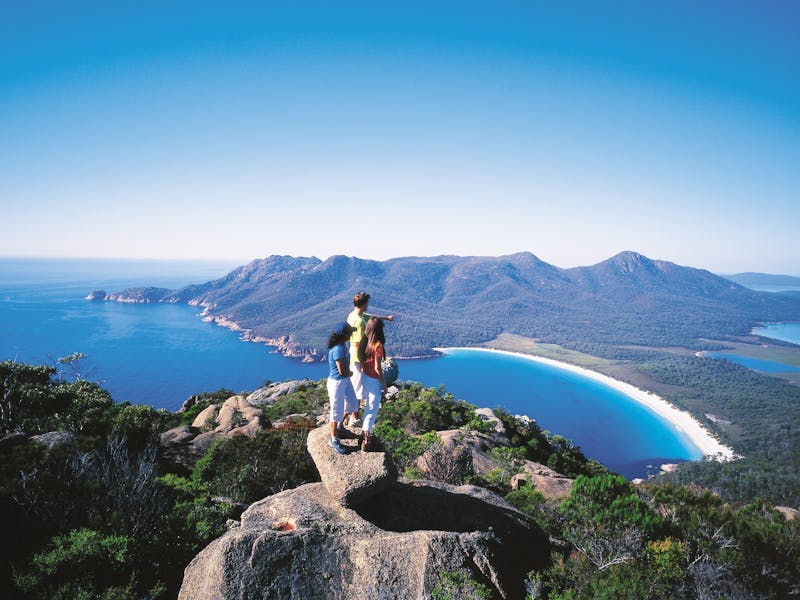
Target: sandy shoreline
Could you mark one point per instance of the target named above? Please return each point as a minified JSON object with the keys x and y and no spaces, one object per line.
{"x":709,"y":446}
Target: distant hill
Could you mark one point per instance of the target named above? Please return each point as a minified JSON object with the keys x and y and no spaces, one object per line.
{"x":451,"y":300}
{"x":765,"y":280}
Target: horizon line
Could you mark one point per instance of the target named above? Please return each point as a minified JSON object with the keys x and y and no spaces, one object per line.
{"x":243,"y":261}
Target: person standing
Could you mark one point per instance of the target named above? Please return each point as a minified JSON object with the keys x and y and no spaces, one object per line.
{"x":372,"y":350}
{"x":340,"y":390}
{"x":357,"y":319}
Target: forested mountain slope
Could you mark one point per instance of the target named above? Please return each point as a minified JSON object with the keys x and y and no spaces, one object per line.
{"x":452,"y":300}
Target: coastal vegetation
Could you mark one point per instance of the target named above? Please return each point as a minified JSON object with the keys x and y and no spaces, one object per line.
{"x":94,"y":513}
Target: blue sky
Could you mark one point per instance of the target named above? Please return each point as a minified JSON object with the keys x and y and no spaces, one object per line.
{"x":573,"y":130}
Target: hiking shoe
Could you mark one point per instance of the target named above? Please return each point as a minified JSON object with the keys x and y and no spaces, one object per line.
{"x":336,"y":445}
{"x":354,"y":422}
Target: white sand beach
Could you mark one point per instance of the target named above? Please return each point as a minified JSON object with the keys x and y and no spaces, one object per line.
{"x":711,"y":447}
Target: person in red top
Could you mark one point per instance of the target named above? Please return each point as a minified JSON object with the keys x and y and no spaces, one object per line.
{"x":371,"y":347}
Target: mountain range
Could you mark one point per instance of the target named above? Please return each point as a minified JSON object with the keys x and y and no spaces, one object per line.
{"x":629,"y":299}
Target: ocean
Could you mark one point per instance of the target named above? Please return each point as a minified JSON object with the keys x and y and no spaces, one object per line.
{"x":162,"y":353}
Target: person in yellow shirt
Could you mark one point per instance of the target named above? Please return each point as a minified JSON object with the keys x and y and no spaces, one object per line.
{"x":357,"y":319}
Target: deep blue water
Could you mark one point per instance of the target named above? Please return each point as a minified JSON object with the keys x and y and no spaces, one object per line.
{"x":161,"y":354}
{"x":605,"y":423}
{"x":757,"y":364}
{"x":156,"y":354}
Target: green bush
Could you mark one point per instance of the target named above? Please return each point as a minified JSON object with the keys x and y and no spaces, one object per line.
{"x":609,"y":501}
{"x":140,"y":425}
{"x":81,"y":564}
{"x":306,"y":399}
{"x":527,"y":499}
{"x":248,"y":469}
{"x":191,"y":523}
{"x":419,"y":410}
{"x":403,"y":448}
{"x":459,"y":585}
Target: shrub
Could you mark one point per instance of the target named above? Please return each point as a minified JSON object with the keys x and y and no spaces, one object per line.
{"x":527,"y":499}
{"x":248,"y":469}
{"x":606,"y":520}
{"x":123,"y":487}
{"x":306,"y":399}
{"x":81,"y":564}
{"x":459,"y":585}
{"x":403,"y":448}
{"x":418,"y":410}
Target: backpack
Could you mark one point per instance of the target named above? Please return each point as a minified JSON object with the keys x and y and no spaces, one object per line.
{"x":390,"y":370}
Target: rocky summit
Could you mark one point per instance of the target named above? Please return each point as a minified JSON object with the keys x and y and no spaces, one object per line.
{"x":354,"y":477}
{"x":398,"y":540}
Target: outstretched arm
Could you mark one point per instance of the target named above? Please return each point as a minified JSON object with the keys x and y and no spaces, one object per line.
{"x":382,"y":317}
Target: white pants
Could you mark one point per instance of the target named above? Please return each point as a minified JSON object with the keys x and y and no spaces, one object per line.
{"x":373,"y":391}
{"x":358,"y":381}
{"x":342,"y":398}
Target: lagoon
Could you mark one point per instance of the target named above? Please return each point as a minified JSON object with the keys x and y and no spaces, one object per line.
{"x":161,"y":354}
{"x":757,"y":364}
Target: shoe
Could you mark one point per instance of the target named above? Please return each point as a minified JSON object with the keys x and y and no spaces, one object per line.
{"x":336,"y":445}
{"x":354,"y":422}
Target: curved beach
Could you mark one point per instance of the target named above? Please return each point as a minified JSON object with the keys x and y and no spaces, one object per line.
{"x":710,"y":446}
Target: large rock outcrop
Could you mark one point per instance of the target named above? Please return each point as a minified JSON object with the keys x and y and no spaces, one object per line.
{"x":354,"y":477}
{"x":553,"y":485}
{"x":303,"y":544}
{"x":361,"y":533}
{"x":268,"y":394}
{"x":183,"y":446}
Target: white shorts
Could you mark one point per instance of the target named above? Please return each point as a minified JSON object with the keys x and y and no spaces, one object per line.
{"x":358,"y":382}
{"x":342,"y":398}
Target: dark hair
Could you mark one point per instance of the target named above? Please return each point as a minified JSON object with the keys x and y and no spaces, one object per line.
{"x":340,"y":335}
{"x":360,"y":299}
{"x":336,"y":339}
{"x":373,"y":335}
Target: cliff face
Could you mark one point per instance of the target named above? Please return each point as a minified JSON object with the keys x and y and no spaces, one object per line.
{"x":392,"y":540}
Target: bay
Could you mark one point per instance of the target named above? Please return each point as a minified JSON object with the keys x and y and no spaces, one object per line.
{"x":159,"y":354}
{"x":607,"y":424}
{"x":786,"y":332}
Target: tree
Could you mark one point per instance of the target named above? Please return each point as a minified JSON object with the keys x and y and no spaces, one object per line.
{"x":606,"y":520}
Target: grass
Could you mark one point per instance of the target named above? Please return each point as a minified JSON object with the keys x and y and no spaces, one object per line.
{"x":525,"y":345}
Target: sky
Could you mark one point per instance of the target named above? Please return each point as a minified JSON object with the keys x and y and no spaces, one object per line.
{"x":236,"y":130}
